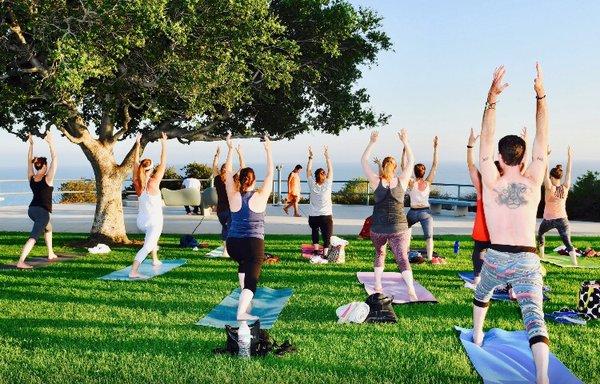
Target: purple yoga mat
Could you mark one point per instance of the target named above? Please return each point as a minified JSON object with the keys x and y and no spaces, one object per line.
{"x":393,"y":285}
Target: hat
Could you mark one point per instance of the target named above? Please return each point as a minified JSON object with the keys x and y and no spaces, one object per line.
{"x":354,"y":312}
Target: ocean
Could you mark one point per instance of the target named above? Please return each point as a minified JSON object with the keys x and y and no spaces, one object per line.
{"x":13,"y":179}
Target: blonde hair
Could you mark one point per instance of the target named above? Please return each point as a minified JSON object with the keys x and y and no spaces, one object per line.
{"x":388,"y":167}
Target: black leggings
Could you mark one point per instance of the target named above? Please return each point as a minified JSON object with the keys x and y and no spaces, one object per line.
{"x":249,"y":252}
{"x":41,"y":221}
{"x":323,"y":224}
{"x":477,"y":256}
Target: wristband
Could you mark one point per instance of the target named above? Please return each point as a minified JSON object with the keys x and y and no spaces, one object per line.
{"x":469,"y":146}
{"x":540,"y":98}
{"x":489,"y":105}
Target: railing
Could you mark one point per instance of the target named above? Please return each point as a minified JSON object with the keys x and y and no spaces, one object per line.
{"x":363,"y":196}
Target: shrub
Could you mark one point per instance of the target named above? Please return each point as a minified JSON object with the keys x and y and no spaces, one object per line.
{"x":172,"y":179}
{"x":88,"y":194}
{"x":583,"y":201}
{"x":353,"y":192}
{"x":198,"y":171}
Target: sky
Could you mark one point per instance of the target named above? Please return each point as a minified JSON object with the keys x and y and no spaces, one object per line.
{"x":436,"y":78}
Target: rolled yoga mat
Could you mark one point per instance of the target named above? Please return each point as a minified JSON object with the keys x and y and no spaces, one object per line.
{"x":146,"y":269}
{"x":307,"y":251}
{"x":393,"y":285}
{"x":217,"y":252}
{"x":499,"y":294}
{"x":40,"y":262}
{"x":267,"y":304}
{"x":565,"y":261}
{"x":505,"y":358}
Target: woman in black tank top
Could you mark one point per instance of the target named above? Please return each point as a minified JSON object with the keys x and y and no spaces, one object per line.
{"x":41,"y":178}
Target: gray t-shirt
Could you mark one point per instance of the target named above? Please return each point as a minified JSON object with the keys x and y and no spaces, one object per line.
{"x":320,"y":198}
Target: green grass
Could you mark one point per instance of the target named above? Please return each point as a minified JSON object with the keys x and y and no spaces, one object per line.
{"x":60,"y":324}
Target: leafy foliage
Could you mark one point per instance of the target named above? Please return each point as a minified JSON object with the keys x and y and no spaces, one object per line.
{"x":197,"y":170}
{"x":87,"y":194}
{"x":583,"y":201}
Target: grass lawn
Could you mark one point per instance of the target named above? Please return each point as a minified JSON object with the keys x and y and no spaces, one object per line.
{"x":60,"y":324}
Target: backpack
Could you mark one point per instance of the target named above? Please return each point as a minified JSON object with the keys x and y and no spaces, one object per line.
{"x":380,"y":309}
{"x":188,"y":241}
{"x":589,"y":299}
{"x":337,"y":250}
{"x":260,"y":343}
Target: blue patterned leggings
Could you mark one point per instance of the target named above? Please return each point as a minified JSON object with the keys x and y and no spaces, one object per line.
{"x":522,"y":272}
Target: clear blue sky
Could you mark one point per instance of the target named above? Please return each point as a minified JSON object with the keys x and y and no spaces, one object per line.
{"x":436,"y":79}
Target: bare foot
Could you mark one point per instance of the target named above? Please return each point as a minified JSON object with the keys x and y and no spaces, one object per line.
{"x":297,"y":215}
{"x":285,"y":209}
{"x":23,"y":265}
{"x":477,"y":338}
{"x":137,"y":276}
{"x":378,"y":289}
{"x":246,"y":317}
{"x":156,"y":263}
{"x":412,"y":296}
{"x":52,"y":256}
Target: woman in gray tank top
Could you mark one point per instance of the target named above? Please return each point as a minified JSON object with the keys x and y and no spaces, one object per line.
{"x":389,"y":220}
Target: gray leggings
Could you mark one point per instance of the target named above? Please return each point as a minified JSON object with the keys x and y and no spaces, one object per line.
{"x":561,"y":225}
{"x":41,"y":222}
{"x":523,"y":272}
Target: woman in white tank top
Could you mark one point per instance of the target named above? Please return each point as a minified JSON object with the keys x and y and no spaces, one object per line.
{"x":419,"y":189}
{"x":150,"y":216}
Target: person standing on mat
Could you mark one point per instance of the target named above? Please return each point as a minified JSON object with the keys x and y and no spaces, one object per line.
{"x":146,"y":181}
{"x":420,"y":212}
{"x":41,"y":179}
{"x":510,"y":200}
{"x":223,"y":212}
{"x":245,"y":240}
{"x":293,"y":198}
{"x":320,"y":217}
{"x":480,"y":234}
{"x":389,"y":221}
{"x":555,"y":212}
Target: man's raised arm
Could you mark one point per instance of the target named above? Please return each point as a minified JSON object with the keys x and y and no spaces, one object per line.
{"x":539,"y":160}
{"x":489,"y":172}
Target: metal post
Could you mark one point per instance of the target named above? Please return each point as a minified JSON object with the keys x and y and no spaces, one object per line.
{"x":458,"y":192}
{"x":368,"y":189}
{"x":278,"y":167}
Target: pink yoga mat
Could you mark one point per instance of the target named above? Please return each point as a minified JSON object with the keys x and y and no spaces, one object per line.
{"x":393,"y":285}
{"x":307,"y":251}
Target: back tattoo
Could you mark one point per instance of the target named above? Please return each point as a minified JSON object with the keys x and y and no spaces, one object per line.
{"x":513,"y":195}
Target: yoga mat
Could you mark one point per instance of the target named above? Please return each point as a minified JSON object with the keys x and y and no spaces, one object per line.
{"x":40,"y":262}
{"x":217,"y":252}
{"x":146,"y":268}
{"x":307,"y":251}
{"x":565,"y":261}
{"x":505,"y":358}
{"x":393,"y":285}
{"x":499,"y":294}
{"x":267,"y":305}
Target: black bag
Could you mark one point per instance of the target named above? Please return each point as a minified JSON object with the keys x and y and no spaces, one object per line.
{"x":380,"y":309}
{"x":260,"y":343}
{"x":589,"y":299}
{"x":188,"y":241}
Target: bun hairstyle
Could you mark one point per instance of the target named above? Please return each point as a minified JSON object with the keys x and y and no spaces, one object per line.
{"x":419,"y":170}
{"x":142,"y":176}
{"x":388,"y":167}
{"x":246,"y":179}
{"x":39,"y":162}
{"x":557,"y":172}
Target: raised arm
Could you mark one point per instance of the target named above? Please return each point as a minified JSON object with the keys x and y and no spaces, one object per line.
{"x":372,"y":177}
{"x":229,"y":181}
{"x":489,"y":172}
{"x":162,"y":167}
{"x":240,"y":154}
{"x":30,"y":157}
{"x":539,"y":161}
{"x":525,"y":137}
{"x":265,"y":190}
{"x":434,"y":163}
{"x":53,"y":159}
{"x":547,"y":182}
{"x":406,"y":173}
{"x":309,"y":163}
{"x":329,"y":163}
{"x":473,"y":171}
{"x":215,"y":163}
{"x":567,"y":182}
{"x":136,"y":155}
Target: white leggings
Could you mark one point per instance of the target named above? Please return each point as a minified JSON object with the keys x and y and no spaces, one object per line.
{"x":153,"y":232}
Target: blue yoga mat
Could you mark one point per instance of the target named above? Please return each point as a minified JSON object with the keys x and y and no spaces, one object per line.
{"x":267,"y":305}
{"x":146,"y":269}
{"x":505,"y":358}
{"x":499,"y":295}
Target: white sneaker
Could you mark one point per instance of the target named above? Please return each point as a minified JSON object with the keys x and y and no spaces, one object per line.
{"x":470,"y":285}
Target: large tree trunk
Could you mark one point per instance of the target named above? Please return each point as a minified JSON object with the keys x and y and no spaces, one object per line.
{"x":109,"y":222}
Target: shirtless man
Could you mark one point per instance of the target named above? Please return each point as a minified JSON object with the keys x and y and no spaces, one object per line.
{"x":510,"y":202}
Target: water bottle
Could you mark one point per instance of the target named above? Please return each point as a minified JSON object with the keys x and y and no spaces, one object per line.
{"x":244,"y":339}
{"x":456,"y":247}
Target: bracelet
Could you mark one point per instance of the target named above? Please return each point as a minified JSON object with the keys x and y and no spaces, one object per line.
{"x":469,"y":146}
{"x":310,"y":157}
{"x":539,"y":98}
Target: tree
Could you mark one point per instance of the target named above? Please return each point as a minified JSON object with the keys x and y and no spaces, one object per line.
{"x":103,"y":71}
{"x":583,"y":201}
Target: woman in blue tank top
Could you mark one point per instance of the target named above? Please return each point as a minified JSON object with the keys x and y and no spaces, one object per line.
{"x":245,"y":238}
{"x":389,"y":225}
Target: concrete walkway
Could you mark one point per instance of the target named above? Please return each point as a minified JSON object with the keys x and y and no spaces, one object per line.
{"x":348,"y":220}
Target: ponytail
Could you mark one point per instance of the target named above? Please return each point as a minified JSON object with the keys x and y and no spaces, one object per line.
{"x":246,"y":179}
{"x":141,"y":176}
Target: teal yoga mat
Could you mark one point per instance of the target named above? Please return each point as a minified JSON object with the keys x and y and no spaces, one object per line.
{"x":267,"y":305}
{"x":146,"y":269}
